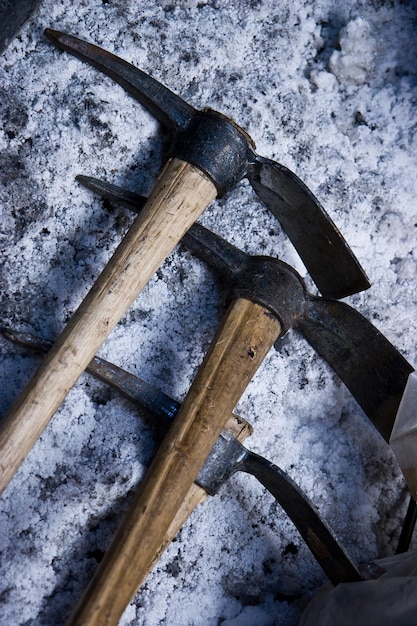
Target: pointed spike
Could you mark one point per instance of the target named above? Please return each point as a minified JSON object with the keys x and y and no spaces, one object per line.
{"x":113,"y":192}
{"x":171,"y":110}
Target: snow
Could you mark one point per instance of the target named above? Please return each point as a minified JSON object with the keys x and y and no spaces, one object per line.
{"x":354,"y":62}
{"x":330,"y":92}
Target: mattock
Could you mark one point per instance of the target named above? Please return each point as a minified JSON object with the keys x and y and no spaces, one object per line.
{"x":227,"y":457}
{"x":209,"y":155}
{"x":268,"y":297}
{"x":369,"y":365}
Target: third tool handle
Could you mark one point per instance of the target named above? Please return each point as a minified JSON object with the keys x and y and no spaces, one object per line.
{"x":241,"y":343}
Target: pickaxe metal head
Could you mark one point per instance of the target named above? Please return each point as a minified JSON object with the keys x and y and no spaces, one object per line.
{"x":227,"y":457}
{"x":209,"y":155}
{"x":218,"y":146}
{"x":368,"y":364}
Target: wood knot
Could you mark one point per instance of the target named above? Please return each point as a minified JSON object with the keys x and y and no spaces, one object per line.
{"x":251,"y":353}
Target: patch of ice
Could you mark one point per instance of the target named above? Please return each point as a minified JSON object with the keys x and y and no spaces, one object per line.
{"x":354,"y":62}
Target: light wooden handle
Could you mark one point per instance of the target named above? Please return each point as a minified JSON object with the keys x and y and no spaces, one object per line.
{"x":243,"y":340}
{"x":180,"y":195}
{"x":241,"y":429}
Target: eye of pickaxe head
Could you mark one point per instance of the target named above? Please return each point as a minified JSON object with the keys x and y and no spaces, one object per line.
{"x":220,"y":148}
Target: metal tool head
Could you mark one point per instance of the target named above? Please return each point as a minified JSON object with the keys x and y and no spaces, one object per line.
{"x":227,"y":457}
{"x":368,"y":364}
{"x":219,"y":147}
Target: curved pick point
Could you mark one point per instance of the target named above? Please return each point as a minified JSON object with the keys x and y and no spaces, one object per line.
{"x":167,"y":107}
{"x":319,"y":537}
{"x":326,"y":255}
{"x":112,"y":192}
{"x":368,"y":364}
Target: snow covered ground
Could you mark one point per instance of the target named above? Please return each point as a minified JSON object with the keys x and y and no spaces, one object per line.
{"x":329,"y":90}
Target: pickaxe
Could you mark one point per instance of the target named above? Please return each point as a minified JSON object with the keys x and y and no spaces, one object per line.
{"x":351,"y":345}
{"x":267,"y":298}
{"x":227,"y":457}
{"x":209,"y":155}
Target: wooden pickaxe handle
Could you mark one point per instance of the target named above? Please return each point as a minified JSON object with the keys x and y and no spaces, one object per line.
{"x":245,"y":336}
{"x":240,"y":429}
{"x":180,"y":195}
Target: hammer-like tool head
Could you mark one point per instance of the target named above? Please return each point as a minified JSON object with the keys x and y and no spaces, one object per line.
{"x":368,"y":364}
{"x":227,"y":457}
{"x":208,"y":156}
{"x":219,"y":147}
